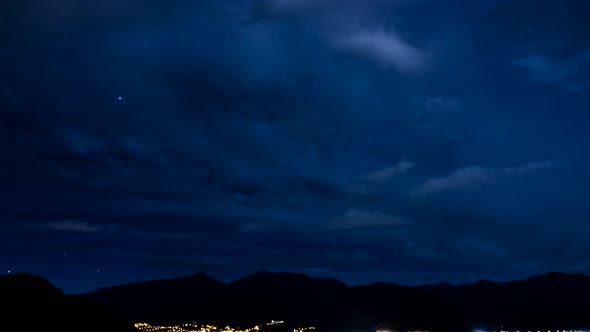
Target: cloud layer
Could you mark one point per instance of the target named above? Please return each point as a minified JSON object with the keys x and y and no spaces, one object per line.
{"x":409,"y":141}
{"x":476,"y":176}
{"x":69,"y":225}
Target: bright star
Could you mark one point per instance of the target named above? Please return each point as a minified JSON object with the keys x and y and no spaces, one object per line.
{"x":119,"y":98}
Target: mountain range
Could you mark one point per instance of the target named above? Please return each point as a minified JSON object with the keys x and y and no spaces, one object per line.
{"x":31,"y":303}
{"x":547,"y":301}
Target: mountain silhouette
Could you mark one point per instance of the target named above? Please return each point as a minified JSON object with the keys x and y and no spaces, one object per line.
{"x":548,"y":301}
{"x":195,"y":297}
{"x":31,"y":303}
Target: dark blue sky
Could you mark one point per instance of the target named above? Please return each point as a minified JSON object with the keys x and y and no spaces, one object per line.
{"x":411,"y":141}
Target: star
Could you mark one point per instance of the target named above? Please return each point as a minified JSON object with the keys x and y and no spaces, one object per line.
{"x":8,"y":271}
{"x":120,"y":98}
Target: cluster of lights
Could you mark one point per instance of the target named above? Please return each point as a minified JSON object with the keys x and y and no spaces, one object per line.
{"x":304,"y":329}
{"x":405,"y":331}
{"x":275,"y":322}
{"x":194,"y":327}
{"x":537,"y":331}
{"x":190,"y":327}
{"x":484,"y":331}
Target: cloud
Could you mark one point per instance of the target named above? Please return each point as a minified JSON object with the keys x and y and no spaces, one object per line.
{"x":371,"y":182}
{"x":461,"y":178}
{"x":254,"y":227}
{"x":194,"y":262}
{"x":422,"y":252}
{"x":353,"y":219}
{"x":562,"y":73}
{"x":362,"y":254}
{"x":340,"y":258}
{"x":316,"y":270}
{"x":362,"y":219}
{"x":435,"y":103}
{"x":294,"y":7}
{"x":481,"y":248}
{"x":581,"y":269}
{"x":386,"y":174}
{"x":474,"y":176}
{"x":70,"y":225}
{"x":384,"y":47}
{"x":530,"y":168}
{"x":271,"y":134}
{"x":351,"y":26}
{"x":540,"y":68}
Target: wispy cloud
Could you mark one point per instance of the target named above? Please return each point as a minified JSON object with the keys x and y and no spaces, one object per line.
{"x":435,"y":103}
{"x":353,"y":219}
{"x":371,"y":182}
{"x":474,"y":176}
{"x":530,"y":168}
{"x":338,"y":21}
{"x":581,"y":269}
{"x":543,"y":70}
{"x":362,"y":219}
{"x":310,"y":6}
{"x":388,"y":173}
{"x":384,"y":47}
{"x":461,"y":178}
{"x":69,"y":225}
{"x":422,"y":252}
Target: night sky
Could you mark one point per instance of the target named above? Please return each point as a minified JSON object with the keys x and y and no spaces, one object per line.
{"x":410,"y":141}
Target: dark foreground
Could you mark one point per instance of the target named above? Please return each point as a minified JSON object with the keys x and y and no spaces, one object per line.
{"x":553,"y":301}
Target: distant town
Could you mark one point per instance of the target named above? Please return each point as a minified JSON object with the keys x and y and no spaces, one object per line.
{"x":195,"y":327}
{"x":517,"y":330}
